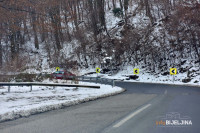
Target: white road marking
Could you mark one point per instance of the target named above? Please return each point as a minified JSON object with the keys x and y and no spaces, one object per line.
{"x":165,"y":92}
{"x":131,"y":116}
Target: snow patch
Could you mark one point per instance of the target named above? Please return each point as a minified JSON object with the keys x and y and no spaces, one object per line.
{"x":22,"y":103}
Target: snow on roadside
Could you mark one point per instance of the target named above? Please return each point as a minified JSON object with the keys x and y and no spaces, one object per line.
{"x":145,"y":77}
{"x":22,"y":103}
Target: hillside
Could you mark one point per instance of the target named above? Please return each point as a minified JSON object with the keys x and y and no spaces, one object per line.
{"x":78,"y":34}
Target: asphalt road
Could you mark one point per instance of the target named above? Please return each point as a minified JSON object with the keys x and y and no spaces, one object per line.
{"x":134,"y":111}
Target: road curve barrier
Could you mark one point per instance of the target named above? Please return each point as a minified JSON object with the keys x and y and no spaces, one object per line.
{"x":45,"y":84}
{"x":93,"y":79}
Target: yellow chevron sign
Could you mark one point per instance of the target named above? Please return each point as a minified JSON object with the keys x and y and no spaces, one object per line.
{"x":136,"y":71}
{"x":98,"y":70}
{"x":173,"y":71}
{"x":57,"y":68}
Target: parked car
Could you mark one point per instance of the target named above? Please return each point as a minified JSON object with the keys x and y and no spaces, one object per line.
{"x":62,"y":75}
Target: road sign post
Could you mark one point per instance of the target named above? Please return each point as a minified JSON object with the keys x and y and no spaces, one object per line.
{"x":31,"y":88}
{"x":98,"y":70}
{"x":173,"y":71}
{"x":9,"y":89}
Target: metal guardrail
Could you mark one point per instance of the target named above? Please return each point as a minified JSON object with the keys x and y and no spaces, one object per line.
{"x":93,"y":79}
{"x":45,"y":84}
{"x":76,"y":78}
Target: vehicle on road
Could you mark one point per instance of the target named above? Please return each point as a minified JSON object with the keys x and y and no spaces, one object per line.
{"x":63,"y":74}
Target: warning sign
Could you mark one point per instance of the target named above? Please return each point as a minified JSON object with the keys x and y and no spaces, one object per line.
{"x":57,"y":68}
{"x":173,"y":71}
{"x":136,"y":71}
{"x":98,"y":70}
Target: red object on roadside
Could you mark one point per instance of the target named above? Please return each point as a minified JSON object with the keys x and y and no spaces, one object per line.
{"x":62,"y":75}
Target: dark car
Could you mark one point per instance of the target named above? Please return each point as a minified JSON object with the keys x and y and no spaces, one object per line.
{"x":63,"y":75}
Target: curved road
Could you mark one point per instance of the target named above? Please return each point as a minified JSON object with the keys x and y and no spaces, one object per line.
{"x":135,"y":111}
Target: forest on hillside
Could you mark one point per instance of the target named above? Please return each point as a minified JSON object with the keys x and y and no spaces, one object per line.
{"x":155,"y":33}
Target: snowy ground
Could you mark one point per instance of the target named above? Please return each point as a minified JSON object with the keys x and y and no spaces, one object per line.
{"x":146,"y":77}
{"x":20,"y":102}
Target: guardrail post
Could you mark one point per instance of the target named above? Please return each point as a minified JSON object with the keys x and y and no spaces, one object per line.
{"x":113,"y":85}
{"x":9,"y":89}
{"x":31,"y":88}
